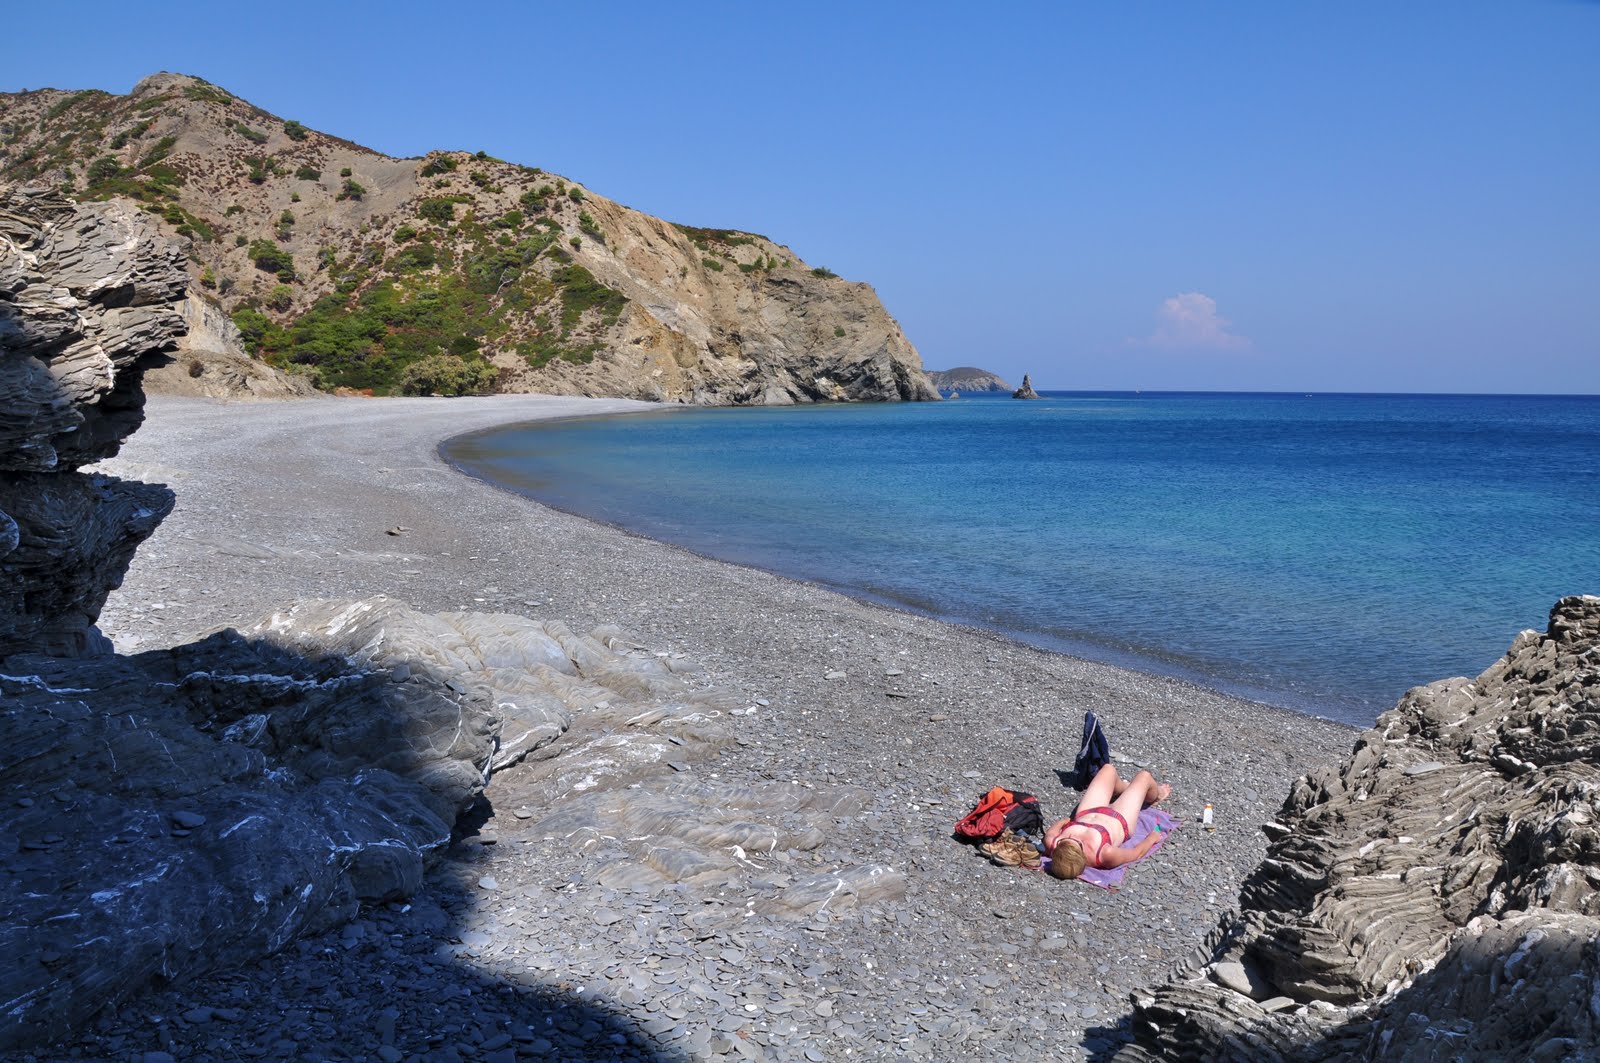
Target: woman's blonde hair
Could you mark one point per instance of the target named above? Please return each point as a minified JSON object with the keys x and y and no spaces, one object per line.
{"x":1067,"y":859}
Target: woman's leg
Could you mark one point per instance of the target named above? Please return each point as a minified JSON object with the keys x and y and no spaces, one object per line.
{"x":1101,"y":789}
{"x":1142,"y":790}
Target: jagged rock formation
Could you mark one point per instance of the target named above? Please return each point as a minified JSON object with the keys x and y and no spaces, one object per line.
{"x":86,"y":299}
{"x":351,"y":267}
{"x":1436,"y":897}
{"x":1026,"y":390}
{"x":196,"y":807}
{"x":966,"y":378}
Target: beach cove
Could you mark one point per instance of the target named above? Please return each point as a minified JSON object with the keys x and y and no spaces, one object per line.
{"x":296,"y":499}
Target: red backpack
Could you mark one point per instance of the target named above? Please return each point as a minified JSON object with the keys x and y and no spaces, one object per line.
{"x":998,"y":811}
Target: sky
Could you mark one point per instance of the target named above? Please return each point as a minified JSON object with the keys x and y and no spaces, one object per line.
{"x":1167,"y":196}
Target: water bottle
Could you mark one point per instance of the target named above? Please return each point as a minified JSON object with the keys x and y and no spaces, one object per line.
{"x":1206,"y":819}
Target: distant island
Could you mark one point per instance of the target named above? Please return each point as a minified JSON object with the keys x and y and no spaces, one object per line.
{"x":966,"y":378}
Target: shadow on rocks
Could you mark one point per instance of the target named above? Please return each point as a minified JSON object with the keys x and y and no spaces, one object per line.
{"x":402,"y":981}
{"x":179,"y":815}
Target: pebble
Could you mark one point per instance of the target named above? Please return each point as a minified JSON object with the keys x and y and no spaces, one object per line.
{"x":188,"y":820}
{"x":489,"y":882}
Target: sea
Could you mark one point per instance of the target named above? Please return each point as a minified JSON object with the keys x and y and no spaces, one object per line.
{"x":1320,"y":552}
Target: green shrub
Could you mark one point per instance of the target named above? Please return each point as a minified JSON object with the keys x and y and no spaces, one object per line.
{"x":404,"y":233}
{"x":58,"y":109}
{"x":351,"y":190}
{"x":162,"y":149}
{"x":240,"y":240}
{"x":207,"y":94}
{"x":103,"y":169}
{"x":294,"y":130}
{"x":436,"y":165}
{"x":294,"y":197}
{"x":253,"y":327}
{"x":438,"y":210}
{"x":281,"y":298}
{"x":533,"y":200}
{"x":326,"y":258}
{"x":577,"y":244}
{"x":286,"y":218}
{"x":575,"y":194}
{"x":208,"y":279}
{"x":418,"y":256}
{"x":254,"y":136}
{"x":511,"y":219}
{"x":345,"y":172}
{"x":307,"y":173}
{"x":270,"y":258}
{"x":838,"y":330}
{"x":580,"y":291}
{"x":447,"y":374}
{"x":824,"y":272}
{"x":714,"y":264}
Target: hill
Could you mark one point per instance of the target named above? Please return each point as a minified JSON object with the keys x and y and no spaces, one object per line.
{"x":966,"y":378}
{"x":455,"y":272}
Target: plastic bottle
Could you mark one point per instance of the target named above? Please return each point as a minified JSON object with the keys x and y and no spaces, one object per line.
{"x":1206,"y":819}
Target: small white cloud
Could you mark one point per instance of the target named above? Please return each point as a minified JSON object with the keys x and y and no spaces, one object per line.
{"x":1189,"y":321}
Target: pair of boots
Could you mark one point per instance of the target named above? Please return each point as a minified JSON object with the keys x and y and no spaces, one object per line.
{"x":1011,"y":850}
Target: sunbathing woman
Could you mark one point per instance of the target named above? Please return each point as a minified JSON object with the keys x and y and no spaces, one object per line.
{"x":1095,"y":834}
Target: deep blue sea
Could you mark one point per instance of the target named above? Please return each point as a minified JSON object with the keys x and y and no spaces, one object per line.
{"x":1320,"y":552}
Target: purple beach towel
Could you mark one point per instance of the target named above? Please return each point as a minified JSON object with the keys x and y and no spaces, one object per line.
{"x":1148,"y":820}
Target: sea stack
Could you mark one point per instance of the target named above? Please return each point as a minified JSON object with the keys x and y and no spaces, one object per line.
{"x":1026,"y":390}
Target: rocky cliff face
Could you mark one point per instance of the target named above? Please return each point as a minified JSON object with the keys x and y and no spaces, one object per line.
{"x":457,"y":271}
{"x":86,"y":302}
{"x":1436,"y":897}
{"x":966,"y":378}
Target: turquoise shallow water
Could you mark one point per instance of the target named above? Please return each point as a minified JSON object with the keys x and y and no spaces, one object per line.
{"x":1318,"y":552}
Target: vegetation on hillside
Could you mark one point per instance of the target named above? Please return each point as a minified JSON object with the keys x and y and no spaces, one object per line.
{"x":481,"y":259}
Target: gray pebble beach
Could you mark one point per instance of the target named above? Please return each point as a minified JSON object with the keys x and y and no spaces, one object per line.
{"x":509,"y":955}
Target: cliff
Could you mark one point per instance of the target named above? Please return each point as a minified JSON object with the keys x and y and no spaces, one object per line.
{"x":458,"y":271}
{"x":966,"y":378}
{"x":1436,"y":897}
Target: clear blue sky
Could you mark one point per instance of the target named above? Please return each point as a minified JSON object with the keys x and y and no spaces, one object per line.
{"x":1262,"y":196}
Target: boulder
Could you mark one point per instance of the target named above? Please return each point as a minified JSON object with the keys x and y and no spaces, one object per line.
{"x":1425,"y":898}
{"x":1026,"y":390}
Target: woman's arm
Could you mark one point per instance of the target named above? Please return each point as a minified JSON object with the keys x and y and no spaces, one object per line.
{"x":1115,"y":855}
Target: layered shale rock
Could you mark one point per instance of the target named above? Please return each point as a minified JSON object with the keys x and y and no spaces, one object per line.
{"x":86,"y":303}
{"x":1436,"y":897}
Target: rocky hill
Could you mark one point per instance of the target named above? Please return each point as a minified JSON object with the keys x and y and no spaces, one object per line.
{"x":966,"y":378}
{"x":455,"y":272}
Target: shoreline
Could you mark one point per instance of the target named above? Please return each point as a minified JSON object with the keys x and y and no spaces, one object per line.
{"x":1083,"y":646}
{"x":1131,"y":658}
{"x":297,"y":498}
